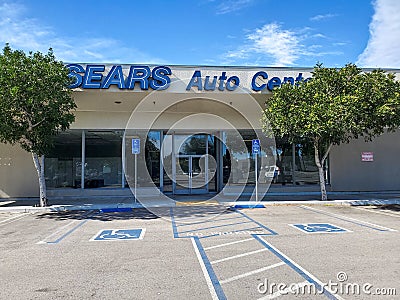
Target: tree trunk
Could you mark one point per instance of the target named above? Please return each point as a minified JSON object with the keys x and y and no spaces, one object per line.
{"x":320,"y":164}
{"x":39,"y":165}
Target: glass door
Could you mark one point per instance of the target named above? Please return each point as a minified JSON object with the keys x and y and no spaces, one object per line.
{"x":191,"y":174}
{"x":183,"y":172}
{"x":190,"y":164}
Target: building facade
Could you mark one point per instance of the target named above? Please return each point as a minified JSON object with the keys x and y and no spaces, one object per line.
{"x":195,"y":128}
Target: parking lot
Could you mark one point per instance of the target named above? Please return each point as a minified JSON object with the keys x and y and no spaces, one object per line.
{"x":194,"y":252}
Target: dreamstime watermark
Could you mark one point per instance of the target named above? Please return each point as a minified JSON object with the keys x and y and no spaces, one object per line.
{"x":341,"y":287}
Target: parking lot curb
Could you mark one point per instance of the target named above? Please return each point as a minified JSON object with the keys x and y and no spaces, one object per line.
{"x":237,"y":204}
{"x":365,"y":202}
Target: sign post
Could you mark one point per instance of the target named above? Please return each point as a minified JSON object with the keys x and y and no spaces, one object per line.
{"x":256,"y":150}
{"x":135,"y":151}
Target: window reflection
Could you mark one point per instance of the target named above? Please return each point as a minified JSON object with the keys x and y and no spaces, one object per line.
{"x":63,"y":164}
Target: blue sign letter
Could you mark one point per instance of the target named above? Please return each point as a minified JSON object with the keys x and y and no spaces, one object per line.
{"x":138,"y":74}
{"x":208,"y":86}
{"x":195,"y":81}
{"x":91,"y":76}
{"x":274,"y":82}
{"x":236,"y":81}
{"x":254,"y":86}
{"x":161,"y":79}
{"x":74,"y":71}
{"x":115,"y":76}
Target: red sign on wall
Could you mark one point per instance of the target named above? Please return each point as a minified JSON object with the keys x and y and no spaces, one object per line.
{"x":367,"y":156}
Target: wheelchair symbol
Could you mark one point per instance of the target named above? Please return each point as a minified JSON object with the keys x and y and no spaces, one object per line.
{"x":318,"y":227}
{"x":118,"y":234}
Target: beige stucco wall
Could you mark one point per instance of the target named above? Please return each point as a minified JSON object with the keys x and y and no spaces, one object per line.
{"x":18,"y":177}
{"x":349,"y":173}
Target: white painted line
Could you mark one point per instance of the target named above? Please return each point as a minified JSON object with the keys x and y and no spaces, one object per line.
{"x":44,"y":241}
{"x":239,"y":255}
{"x":386,"y":213}
{"x":214,"y":295}
{"x":13,"y":219}
{"x":227,"y":244}
{"x":348,"y":218}
{"x":252,"y":272}
{"x":6,"y":202}
{"x":287,"y":291}
{"x":301,"y":268}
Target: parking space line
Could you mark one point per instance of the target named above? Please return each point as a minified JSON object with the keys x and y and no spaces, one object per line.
{"x":210,"y":220}
{"x":258,"y":223}
{"x":13,"y":219}
{"x":212,"y":281}
{"x":238,"y":256}
{"x":216,"y":226}
{"x":67,"y":233}
{"x":348,"y":219}
{"x":293,"y":287}
{"x":174,"y":228}
{"x":252,"y":272}
{"x":56,"y":232}
{"x":298,"y":269}
{"x":227,"y":244}
{"x":378,"y":212}
{"x":230,"y":232}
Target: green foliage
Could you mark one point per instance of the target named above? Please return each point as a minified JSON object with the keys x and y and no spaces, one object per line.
{"x":335,"y":106}
{"x":35,"y":102}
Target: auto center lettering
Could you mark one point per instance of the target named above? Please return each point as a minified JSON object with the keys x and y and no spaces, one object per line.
{"x":158,"y":78}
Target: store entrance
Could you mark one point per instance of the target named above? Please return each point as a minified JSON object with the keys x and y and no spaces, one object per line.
{"x":189,"y":170}
{"x":191,"y":174}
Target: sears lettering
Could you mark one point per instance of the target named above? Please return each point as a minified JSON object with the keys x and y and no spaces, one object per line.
{"x":93,"y":77}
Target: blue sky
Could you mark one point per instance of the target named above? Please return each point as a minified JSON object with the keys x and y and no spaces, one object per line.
{"x":208,"y":32}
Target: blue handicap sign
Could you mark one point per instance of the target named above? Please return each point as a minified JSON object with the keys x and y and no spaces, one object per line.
{"x":318,"y":227}
{"x":256,"y":146}
{"x":135,"y":146}
{"x":119,"y":234}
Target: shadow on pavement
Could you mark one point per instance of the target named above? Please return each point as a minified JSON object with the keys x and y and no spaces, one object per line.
{"x":391,"y":207}
{"x":139,"y":213}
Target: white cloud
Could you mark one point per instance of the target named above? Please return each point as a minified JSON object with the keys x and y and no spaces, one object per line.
{"x":281,"y":44}
{"x":29,"y":34}
{"x":323,"y":17}
{"x":275,"y":46}
{"x":270,"y":43}
{"x":227,"y":7}
{"x":383,"y":48}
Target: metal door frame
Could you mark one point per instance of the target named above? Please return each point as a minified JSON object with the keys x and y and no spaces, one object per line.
{"x":189,"y":190}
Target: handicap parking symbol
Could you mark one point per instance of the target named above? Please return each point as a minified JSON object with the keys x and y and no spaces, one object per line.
{"x":119,"y":234}
{"x":319,"y":227}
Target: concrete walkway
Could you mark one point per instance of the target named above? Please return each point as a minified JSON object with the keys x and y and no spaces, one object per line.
{"x":98,"y":202}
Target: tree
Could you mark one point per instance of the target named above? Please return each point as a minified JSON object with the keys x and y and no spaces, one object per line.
{"x":35,"y":104}
{"x":333,"y":107}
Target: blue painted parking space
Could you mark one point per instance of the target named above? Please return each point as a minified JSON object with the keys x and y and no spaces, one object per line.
{"x":319,"y":228}
{"x":234,"y":224}
{"x":119,"y":234}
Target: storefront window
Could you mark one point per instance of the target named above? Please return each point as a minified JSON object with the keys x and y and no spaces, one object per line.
{"x":284,"y":162}
{"x":152,"y":154}
{"x":239,"y":162}
{"x":103,"y":165}
{"x":63,"y":164}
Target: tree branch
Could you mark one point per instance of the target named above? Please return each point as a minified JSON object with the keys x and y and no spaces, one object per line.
{"x":326,"y":153}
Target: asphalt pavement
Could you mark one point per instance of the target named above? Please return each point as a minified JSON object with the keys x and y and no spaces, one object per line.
{"x":295,"y":251}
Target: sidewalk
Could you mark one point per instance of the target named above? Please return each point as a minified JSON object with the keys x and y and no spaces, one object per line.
{"x":98,"y":202}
